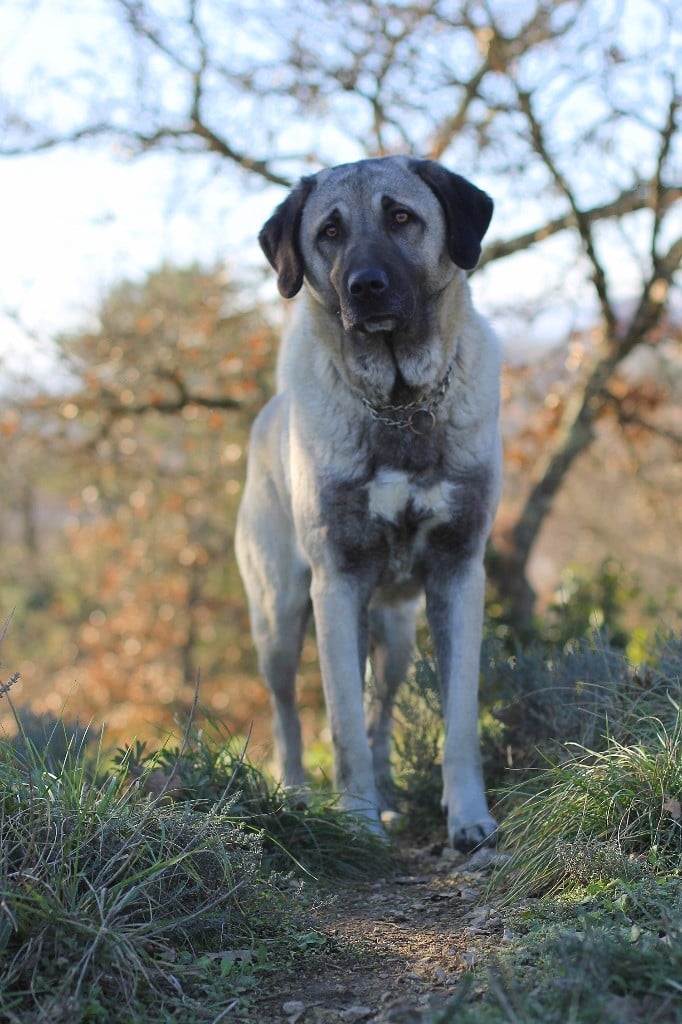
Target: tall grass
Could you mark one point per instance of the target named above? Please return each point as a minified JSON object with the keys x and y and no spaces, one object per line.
{"x":107,"y":901}
{"x":592,"y":892}
{"x":149,"y":891}
{"x":620,"y":795}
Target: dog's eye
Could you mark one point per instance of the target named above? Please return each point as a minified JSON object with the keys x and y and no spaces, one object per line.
{"x":400,"y":217}
{"x":330,"y":231}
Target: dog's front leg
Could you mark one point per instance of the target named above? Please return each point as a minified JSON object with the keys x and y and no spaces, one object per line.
{"x":454,"y":608}
{"x":341,"y":626}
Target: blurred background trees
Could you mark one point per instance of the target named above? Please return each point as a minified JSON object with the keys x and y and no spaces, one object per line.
{"x":120,"y":489}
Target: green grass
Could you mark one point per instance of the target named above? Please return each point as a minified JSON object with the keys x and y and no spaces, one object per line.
{"x":592,"y":892}
{"x":303,"y":831}
{"x":120,"y":902}
{"x":109,"y":903}
{"x":605,"y":953}
{"x":167,"y":885}
{"x":621,"y":802}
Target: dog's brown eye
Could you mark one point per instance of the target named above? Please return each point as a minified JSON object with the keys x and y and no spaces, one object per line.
{"x":400,"y":217}
{"x":330,"y":231}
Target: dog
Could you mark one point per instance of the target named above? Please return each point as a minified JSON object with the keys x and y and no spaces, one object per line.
{"x":374,"y":473}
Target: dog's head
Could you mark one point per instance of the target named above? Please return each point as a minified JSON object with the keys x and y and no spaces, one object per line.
{"x":377,"y":242}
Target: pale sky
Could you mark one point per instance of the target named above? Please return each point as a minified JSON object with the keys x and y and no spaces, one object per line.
{"x":75,"y":220}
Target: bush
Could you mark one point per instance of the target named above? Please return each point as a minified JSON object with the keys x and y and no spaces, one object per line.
{"x":298,"y":830}
{"x":418,"y":743}
{"x":618,"y":798}
{"x":147,"y":893}
{"x":542,"y":698}
{"x":100,"y":890}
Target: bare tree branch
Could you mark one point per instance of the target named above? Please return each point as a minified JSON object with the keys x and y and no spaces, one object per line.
{"x":657,"y":183}
{"x":583,"y":223}
{"x":631,"y":418}
{"x":637,"y":198}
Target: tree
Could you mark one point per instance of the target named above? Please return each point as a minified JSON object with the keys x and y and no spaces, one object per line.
{"x":566,"y":110}
{"x":123,"y":555}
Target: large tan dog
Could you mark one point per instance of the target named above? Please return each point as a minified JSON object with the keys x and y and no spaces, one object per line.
{"x":374,"y":473}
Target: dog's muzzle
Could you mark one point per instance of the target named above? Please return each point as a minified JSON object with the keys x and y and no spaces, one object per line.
{"x":374,"y":298}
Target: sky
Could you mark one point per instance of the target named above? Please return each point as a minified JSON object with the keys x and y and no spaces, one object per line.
{"x":75,"y":220}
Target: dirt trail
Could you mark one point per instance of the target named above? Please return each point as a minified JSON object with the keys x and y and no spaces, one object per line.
{"x":397,"y":947}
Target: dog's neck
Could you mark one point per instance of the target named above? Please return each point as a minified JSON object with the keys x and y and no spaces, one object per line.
{"x":409,"y":408}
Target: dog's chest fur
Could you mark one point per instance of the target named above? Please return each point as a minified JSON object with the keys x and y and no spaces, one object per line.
{"x":407,"y":512}
{"x":395,"y":526}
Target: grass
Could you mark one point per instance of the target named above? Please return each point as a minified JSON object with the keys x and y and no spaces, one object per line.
{"x":592,"y":892}
{"x":162,"y":888}
{"x":620,"y":795}
{"x":623,"y":799}
{"x":167,"y":885}
{"x":110,"y":902}
{"x":604,"y":953}
{"x":307,"y":832}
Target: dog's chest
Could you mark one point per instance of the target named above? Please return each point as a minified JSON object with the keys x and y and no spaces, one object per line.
{"x":394,"y":499}
{"x":405,"y":512}
{"x":396,"y":527}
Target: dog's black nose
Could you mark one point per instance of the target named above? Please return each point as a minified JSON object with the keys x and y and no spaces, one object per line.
{"x":367,"y":282}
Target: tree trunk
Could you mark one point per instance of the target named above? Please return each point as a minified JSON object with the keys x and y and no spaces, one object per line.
{"x":508,"y":569}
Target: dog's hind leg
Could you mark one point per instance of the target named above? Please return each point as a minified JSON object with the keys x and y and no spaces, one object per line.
{"x":391,"y":639}
{"x":278,"y":589}
{"x":278,"y":644}
{"x":277,"y":583}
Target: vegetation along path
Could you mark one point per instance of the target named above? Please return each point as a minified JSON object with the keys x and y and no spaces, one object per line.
{"x":218,"y":897}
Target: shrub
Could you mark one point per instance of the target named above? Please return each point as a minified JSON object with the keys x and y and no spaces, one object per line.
{"x":100,"y":890}
{"x":418,"y":743}
{"x":298,"y":830}
{"x":618,"y":798}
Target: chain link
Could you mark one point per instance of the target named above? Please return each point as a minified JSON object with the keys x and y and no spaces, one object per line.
{"x":405,"y":413}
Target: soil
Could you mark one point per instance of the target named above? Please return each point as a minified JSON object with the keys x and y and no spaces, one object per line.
{"x":397,"y":947}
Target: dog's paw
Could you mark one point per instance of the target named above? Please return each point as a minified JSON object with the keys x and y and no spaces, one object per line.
{"x":467,"y":838}
{"x":299,"y":796}
{"x":391,"y":820}
{"x":366,"y":811}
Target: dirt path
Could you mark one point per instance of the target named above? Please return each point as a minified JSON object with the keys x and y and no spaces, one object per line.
{"x":397,"y":947}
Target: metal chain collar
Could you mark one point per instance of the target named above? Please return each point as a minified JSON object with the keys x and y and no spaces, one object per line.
{"x":406,"y":415}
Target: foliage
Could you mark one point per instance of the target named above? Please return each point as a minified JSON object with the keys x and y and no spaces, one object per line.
{"x":593,"y":890}
{"x":121,"y":499}
{"x":418,"y":743}
{"x":145,"y":894}
{"x":542,"y":704}
{"x":109,"y":903}
{"x":597,"y":833}
{"x":585,"y":603}
{"x":60,"y":743}
{"x":125,"y":900}
{"x":606,"y":953}
{"x":304,"y":831}
{"x":625,"y":795}
{"x":543,"y":697}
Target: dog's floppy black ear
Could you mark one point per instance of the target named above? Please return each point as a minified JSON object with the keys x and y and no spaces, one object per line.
{"x":279,"y":240}
{"x":467,"y":210}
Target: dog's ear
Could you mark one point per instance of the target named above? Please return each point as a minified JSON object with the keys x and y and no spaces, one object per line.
{"x":467,"y":210}
{"x":279,"y":240}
